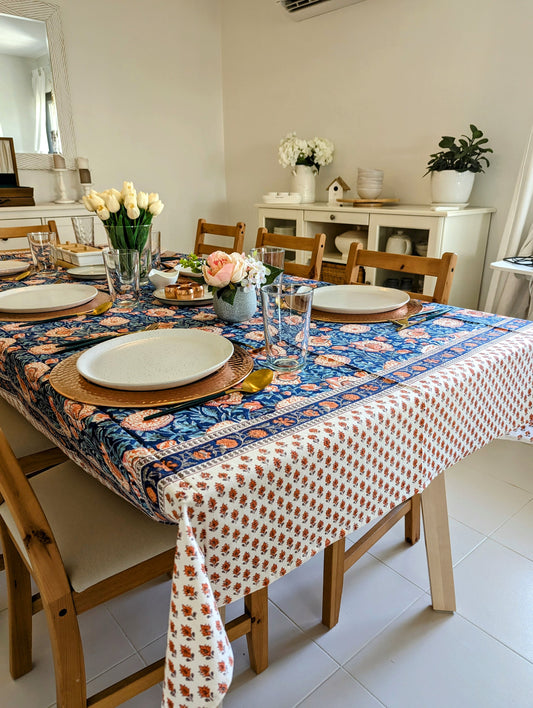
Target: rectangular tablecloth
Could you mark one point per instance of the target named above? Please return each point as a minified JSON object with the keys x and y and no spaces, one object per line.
{"x":257,"y":485}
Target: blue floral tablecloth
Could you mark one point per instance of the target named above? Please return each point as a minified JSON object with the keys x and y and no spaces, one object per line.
{"x":258,"y":484}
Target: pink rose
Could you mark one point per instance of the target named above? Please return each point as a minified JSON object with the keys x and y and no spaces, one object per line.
{"x":218,"y":269}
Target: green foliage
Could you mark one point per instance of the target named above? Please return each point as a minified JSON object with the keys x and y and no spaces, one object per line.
{"x":465,"y":154}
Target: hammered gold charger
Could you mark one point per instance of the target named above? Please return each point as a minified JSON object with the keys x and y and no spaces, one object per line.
{"x":408,"y":310}
{"x":67,"y":381}
{"x":56,"y":314}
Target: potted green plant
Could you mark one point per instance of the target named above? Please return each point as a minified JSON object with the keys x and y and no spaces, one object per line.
{"x":453,"y":168}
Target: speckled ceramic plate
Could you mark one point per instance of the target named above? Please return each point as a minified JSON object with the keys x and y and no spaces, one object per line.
{"x":151,"y":361}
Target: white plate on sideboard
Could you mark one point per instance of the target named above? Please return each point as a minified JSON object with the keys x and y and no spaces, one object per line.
{"x":46,"y":298}
{"x":151,"y":361}
{"x":358,"y":299}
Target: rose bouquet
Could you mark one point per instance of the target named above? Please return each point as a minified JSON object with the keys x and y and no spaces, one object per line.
{"x":127,"y":215}
{"x":314,"y":153}
{"x":224,"y":273}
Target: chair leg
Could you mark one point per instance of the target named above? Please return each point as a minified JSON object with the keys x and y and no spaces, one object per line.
{"x":438,"y":549}
{"x":71,"y":690}
{"x":412,"y":521}
{"x":19,"y":609}
{"x":256,"y":605}
{"x":333,"y":583}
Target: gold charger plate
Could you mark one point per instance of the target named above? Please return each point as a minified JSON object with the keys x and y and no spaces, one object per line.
{"x":56,"y":314}
{"x":408,"y":310}
{"x":66,"y":380}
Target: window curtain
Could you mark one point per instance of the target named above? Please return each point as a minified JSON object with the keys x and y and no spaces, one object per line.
{"x":511,"y":294}
{"x":39,"y":91}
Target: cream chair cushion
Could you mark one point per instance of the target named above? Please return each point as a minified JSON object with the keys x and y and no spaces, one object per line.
{"x":97,"y":532}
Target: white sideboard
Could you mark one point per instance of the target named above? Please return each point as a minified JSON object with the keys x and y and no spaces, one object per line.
{"x":40,"y":214}
{"x":463,"y":231}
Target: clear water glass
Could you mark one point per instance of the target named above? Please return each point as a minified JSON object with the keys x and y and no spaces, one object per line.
{"x":286,"y":321}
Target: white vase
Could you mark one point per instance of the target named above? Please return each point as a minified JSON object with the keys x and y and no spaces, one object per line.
{"x":451,"y":187}
{"x":303,"y":180}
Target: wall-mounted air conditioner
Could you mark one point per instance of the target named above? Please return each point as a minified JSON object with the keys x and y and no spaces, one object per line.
{"x":303,"y":9}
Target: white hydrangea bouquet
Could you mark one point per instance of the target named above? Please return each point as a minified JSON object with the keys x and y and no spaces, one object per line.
{"x":314,"y":153}
{"x":126,"y":215}
{"x":224,"y":273}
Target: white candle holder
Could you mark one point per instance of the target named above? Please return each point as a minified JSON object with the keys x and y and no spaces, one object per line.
{"x":85,"y":188}
{"x":61,"y":187}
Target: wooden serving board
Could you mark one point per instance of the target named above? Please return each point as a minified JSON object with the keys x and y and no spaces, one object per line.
{"x":368,"y":202}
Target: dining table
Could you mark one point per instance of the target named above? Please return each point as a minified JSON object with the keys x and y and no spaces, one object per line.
{"x":258,"y":484}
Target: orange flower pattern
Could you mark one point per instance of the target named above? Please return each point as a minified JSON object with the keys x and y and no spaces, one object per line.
{"x":258,"y":485}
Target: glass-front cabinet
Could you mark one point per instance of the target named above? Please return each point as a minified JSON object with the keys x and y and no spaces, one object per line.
{"x":417,"y":230}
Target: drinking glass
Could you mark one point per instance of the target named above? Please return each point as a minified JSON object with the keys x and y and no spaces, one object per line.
{"x":155,"y":248}
{"x":83,"y":229}
{"x":286,"y":318}
{"x":270,"y":255}
{"x":122,"y":271}
{"x":43,"y":250}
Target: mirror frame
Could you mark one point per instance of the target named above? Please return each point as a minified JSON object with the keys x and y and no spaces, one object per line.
{"x":13,"y":160}
{"x":37,"y":10}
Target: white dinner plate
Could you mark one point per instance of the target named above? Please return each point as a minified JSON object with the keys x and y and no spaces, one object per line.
{"x":13,"y":266}
{"x":188,"y":273}
{"x":208,"y":297}
{"x":150,"y":361}
{"x":45,"y":298}
{"x":358,"y":299}
{"x":92,"y":272}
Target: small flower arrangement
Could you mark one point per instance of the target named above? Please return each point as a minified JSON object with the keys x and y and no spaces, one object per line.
{"x":124,"y":212}
{"x":224,"y":273}
{"x":314,"y":153}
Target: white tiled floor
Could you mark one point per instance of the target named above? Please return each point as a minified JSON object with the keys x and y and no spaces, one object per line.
{"x":389,"y":649}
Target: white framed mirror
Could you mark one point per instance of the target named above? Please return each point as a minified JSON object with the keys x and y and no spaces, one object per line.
{"x":62,"y":138}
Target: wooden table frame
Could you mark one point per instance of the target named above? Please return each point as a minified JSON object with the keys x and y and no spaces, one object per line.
{"x":337,"y":560}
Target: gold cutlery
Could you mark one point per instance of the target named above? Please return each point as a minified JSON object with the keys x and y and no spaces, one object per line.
{"x":18,"y":276}
{"x":404,"y":322}
{"x":249,"y":347}
{"x":98,"y":310}
{"x":254,"y":382}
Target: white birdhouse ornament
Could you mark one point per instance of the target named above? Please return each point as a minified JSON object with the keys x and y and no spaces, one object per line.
{"x":336,"y":191}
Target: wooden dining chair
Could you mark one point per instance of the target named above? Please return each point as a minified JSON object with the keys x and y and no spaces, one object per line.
{"x":337,"y":560}
{"x":9,"y":232}
{"x":232,"y":235}
{"x":84,"y":545}
{"x":314,"y":246}
{"x":442,"y":269}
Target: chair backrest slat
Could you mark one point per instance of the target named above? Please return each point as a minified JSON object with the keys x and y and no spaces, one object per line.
{"x":314,"y":246}
{"x":236,"y":233}
{"x":9,"y":232}
{"x":442,"y":269}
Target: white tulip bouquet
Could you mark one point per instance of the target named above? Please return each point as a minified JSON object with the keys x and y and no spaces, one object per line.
{"x":125,"y":214}
{"x":314,"y":153}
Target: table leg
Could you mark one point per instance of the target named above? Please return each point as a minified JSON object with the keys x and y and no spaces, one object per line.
{"x":438,"y":549}
{"x":333,"y":582}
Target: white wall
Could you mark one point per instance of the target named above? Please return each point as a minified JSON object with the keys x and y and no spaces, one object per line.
{"x":383,"y":79}
{"x":146,"y":87}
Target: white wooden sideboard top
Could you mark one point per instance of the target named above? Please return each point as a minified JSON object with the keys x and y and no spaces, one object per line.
{"x":407,"y":209}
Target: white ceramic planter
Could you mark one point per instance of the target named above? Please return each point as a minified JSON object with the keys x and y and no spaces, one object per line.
{"x":303,"y":180}
{"x":451,"y":187}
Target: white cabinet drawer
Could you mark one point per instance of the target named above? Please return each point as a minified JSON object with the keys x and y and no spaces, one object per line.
{"x":337,"y":216}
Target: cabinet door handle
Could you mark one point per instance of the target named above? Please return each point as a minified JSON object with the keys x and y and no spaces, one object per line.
{"x":332,"y":217}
